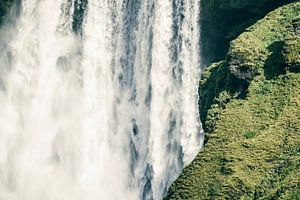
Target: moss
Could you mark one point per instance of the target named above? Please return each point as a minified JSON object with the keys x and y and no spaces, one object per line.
{"x":220,"y":24}
{"x":246,"y":56}
{"x":291,"y":54}
{"x":296,"y":25}
{"x":217,"y":88}
{"x":250,"y":134}
{"x":255,"y":53}
{"x":253,"y":123}
{"x":253,"y":152}
{"x":250,"y":52}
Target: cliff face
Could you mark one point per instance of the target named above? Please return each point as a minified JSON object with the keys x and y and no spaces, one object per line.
{"x":223,"y":20}
{"x":250,"y":107}
{"x":5,"y":5}
{"x":249,"y":102}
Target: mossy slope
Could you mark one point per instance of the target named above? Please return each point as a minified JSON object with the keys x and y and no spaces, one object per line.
{"x":220,"y":24}
{"x":250,"y":106}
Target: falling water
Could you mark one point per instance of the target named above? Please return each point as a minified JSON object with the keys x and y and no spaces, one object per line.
{"x":98,"y":98}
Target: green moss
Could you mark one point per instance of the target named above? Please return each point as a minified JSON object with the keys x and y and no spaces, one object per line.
{"x":217,"y":88}
{"x":246,"y":56}
{"x":253,"y":123}
{"x":255,"y":52}
{"x":250,"y":52}
{"x":250,"y":134}
{"x":253,"y":152}
{"x":291,"y":54}
{"x":220,"y":24}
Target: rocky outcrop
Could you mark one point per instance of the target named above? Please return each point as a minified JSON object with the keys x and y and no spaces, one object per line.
{"x":5,"y":6}
{"x":255,"y":48}
{"x":223,"y":20}
{"x":250,"y":109}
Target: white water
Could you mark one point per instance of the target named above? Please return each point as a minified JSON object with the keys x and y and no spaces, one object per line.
{"x":108,"y":111}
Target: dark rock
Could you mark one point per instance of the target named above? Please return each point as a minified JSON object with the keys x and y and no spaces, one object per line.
{"x":223,"y":20}
{"x":296,"y":25}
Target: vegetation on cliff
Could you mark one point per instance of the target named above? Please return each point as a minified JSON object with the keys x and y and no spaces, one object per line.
{"x":250,"y":107}
{"x":223,"y":20}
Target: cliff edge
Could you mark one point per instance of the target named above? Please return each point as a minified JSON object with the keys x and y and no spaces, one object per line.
{"x":250,"y":109}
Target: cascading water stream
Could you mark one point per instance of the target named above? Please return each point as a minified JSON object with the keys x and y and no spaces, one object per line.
{"x":98,"y":98}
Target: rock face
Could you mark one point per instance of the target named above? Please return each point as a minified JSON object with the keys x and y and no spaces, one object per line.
{"x":5,"y":5}
{"x":296,"y":25}
{"x":220,"y":23}
{"x":258,"y":49}
{"x":250,"y":107}
{"x":246,"y":57}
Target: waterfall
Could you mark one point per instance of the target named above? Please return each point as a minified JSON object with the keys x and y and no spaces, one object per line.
{"x":98,"y":98}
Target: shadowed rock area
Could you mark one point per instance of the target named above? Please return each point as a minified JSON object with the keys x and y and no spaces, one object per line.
{"x":223,"y":20}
